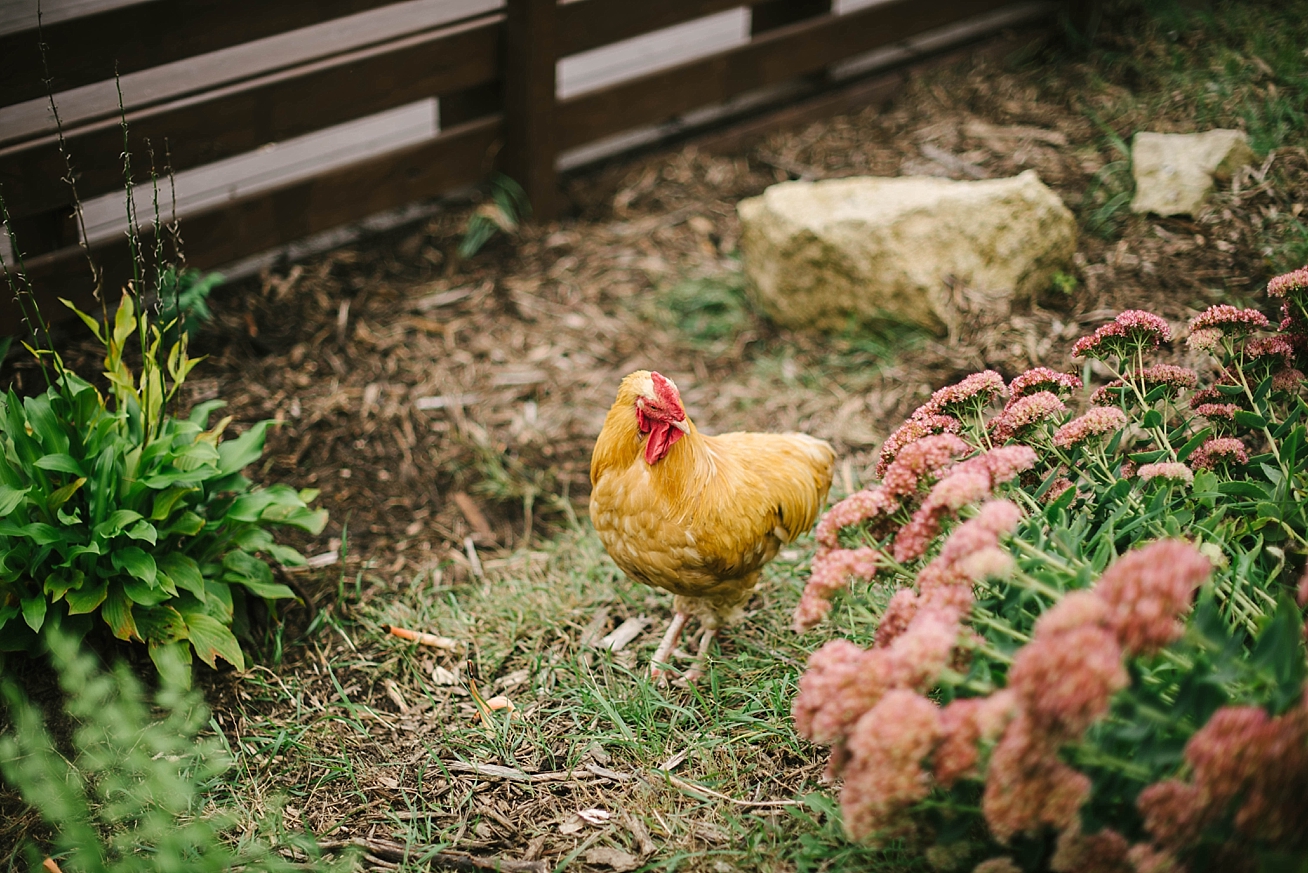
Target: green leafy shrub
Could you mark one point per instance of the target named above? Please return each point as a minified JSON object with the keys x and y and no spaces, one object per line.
{"x":130,"y":796}
{"x":504,"y":211}
{"x":1091,"y":656}
{"x":110,"y":505}
{"x":184,"y":300}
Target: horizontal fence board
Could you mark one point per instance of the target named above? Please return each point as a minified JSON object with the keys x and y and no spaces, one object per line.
{"x":239,"y":118}
{"x":588,"y":24}
{"x":84,"y":50}
{"x":457,"y":158}
{"x":773,"y":57}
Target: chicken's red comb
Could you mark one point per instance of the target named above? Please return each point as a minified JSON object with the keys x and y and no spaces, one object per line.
{"x":665,"y":392}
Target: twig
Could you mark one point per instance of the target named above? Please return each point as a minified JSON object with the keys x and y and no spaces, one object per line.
{"x":700,"y":789}
{"x":471,"y":549}
{"x":421,"y":638}
{"x":392,"y":851}
{"x":50,"y":866}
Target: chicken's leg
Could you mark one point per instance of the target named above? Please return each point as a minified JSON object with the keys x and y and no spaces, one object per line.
{"x":697,"y":669}
{"x":663,"y":653}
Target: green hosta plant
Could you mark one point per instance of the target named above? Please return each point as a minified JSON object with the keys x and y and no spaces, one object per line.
{"x":111,"y":506}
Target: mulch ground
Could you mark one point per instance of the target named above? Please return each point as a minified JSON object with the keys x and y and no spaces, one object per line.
{"x":434,"y":399}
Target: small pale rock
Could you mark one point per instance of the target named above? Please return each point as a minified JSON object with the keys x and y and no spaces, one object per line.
{"x":918,"y":249}
{"x":1175,"y":172}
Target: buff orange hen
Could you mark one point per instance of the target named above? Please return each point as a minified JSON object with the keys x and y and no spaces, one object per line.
{"x":698,"y":515}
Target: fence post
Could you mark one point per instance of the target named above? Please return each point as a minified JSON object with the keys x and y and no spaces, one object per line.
{"x":530,"y":54}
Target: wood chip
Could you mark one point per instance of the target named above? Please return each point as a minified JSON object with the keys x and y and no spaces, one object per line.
{"x":445,"y":401}
{"x":443,"y":298}
{"x":474,"y":562}
{"x":491,"y":771}
{"x":624,"y":634}
{"x":483,"y":534}
{"x":640,"y":833}
{"x":991,"y":132}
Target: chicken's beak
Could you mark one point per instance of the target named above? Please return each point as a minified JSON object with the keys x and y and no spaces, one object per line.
{"x":683,"y":425}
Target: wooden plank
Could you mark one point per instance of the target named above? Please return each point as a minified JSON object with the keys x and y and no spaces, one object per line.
{"x":87,"y":49}
{"x":771,"y":14}
{"x":530,"y":61}
{"x":851,"y":98}
{"x":778,"y":55}
{"x":242,"y":117}
{"x":458,"y":157}
{"x":588,"y":24}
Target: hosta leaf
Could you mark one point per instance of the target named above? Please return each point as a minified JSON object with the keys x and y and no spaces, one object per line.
{"x":247,"y":570}
{"x":146,"y":594}
{"x":144,"y":531}
{"x":184,"y":573}
{"x":212,"y":640}
{"x":87,"y":598}
{"x":61,"y":495}
{"x":117,"y":613}
{"x":239,"y":453}
{"x":188,"y":524}
{"x":165,"y":501}
{"x":286,"y":556}
{"x":135,"y":561}
{"x":10,"y":498}
{"x":42,"y":534}
{"x":114,"y":524}
{"x":160,"y":624}
{"x":60,"y":463}
{"x":58,"y":584}
{"x":247,"y":507}
{"x":34,"y":611}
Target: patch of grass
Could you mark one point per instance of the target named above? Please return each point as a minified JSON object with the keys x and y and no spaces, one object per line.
{"x":709,"y":312}
{"x":334,"y":738}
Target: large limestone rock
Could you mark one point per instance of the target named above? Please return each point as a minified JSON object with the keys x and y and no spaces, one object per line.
{"x":919,"y":249}
{"x":1175,"y":172}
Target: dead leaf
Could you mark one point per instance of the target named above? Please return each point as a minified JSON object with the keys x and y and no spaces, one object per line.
{"x":595,"y":816}
{"x":606,"y":856}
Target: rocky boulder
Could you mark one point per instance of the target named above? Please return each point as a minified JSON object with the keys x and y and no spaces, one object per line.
{"x":1175,"y":172}
{"x":919,"y":249}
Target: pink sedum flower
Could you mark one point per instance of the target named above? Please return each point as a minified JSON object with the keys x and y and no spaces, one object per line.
{"x":1217,"y":411}
{"x":1208,"y":340}
{"x":1173,"y":812}
{"x":885,"y":775}
{"x":1065,"y":680}
{"x":920,"y":460}
{"x":1131,"y":327}
{"x":831,"y":571}
{"x":1227,"y":318}
{"x":1042,"y":379}
{"x":1170,"y":375}
{"x":920,"y":425}
{"x":977,"y":389}
{"x":923,"y":650}
{"x":1219,"y":450}
{"x":1027,"y":786}
{"x":1172,"y":471}
{"x":869,"y":505}
{"x":964,"y":724}
{"x":1288,"y":380}
{"x":1002,"y":864}
{"x":1024,"y":413}
{"x":1274,"y":349}
{"x":899,"y":612}
{"x":1149,"y":590}
{"x":1099,"y":421}
{"x":1078,"y":852}
{"x":1057,"y":489}
{"x":1289,"y":284}
{"x":841,"y":683}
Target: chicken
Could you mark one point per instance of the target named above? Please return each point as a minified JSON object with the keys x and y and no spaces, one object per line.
{"x":694,"y":514}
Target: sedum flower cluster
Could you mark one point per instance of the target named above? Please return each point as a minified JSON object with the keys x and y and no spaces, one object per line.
{"x":1088,"y":654}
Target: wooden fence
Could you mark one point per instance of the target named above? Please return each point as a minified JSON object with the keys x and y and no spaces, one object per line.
{"x":209,"y":80}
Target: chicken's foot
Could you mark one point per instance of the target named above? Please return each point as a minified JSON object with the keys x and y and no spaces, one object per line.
{"x":697,"y":669}
{"x":663,"y":655}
